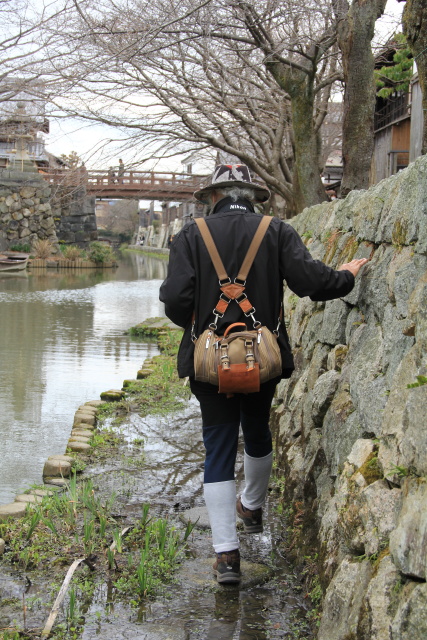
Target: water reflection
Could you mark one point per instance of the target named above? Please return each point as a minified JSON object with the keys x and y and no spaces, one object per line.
{"x":233,"y":609}
{"x":62,"y":342}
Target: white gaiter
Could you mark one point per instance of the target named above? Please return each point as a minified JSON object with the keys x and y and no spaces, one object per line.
{"x":220,"y":498}
{"x":257,"y":476}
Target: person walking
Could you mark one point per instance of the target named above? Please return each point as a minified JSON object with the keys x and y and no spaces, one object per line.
{"x":190,"y":292}
{"x":121,"y":171}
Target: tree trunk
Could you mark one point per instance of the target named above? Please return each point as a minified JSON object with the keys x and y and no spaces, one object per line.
{"x":415,"y":28}
{"x":308,"y":187}
{"x":355,"y":33}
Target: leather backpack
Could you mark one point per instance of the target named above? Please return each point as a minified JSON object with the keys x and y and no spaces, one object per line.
{"x":241,"y":359}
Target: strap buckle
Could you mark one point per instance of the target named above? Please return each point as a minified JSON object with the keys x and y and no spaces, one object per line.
{"x":250,"y":313}
{"x":213,"y":325}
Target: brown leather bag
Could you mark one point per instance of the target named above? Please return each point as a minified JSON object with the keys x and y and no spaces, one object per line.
{"x":239,"y":361}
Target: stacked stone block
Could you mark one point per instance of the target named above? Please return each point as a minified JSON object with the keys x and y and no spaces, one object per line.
{"x":32,"y":209}
{"x":25,"y":210}
{"x":350,"y":427}
{"x":75,"y":217}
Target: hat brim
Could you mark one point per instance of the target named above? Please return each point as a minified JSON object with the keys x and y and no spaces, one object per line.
{"x":262,"y":194}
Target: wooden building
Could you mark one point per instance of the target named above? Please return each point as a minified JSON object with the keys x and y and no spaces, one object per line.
{"x":398,"y":121}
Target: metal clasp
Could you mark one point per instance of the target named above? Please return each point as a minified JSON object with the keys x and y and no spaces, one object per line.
{"x":250,"y":313}
{"x":213,"y":325}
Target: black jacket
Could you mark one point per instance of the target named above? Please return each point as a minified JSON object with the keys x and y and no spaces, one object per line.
{"x":192,"y":284}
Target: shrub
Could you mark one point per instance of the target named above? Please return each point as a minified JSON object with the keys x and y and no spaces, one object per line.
{"x":125,"y":237}
{"x":72,"y":253}
{"x":100,"y":253}
{"x":25,"y":248}
{"x":42,"y":248}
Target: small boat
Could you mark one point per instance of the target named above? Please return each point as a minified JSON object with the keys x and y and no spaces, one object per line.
{"x":11,"y":261}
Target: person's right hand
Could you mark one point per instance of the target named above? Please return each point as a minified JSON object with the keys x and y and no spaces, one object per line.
{"x":354,"y":266}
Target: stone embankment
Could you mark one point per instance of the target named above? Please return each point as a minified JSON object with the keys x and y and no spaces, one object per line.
{"x":57,"y":467}
{"x":32,"y":209}
{"x":75,"y":217}
{"x":25,"y":210}
{"x":350,"y":427}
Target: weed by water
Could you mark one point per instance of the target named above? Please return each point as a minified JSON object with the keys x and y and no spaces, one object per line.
{"x":72,"y":607}
{"x":154,"y":551}
{"x":59,"y":528}
{"x":118,"y":540}
{"x":88,"y":537}
{"x":189,"y":528}
{"x":102,"y":525}
{"x":110,"y":558}
{"x":76,"y":524}
{"x":161,"y":392}
{"x":35,"y":519}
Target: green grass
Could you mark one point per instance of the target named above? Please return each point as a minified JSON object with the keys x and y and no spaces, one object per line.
{"x":162,"y":391}
{"x":77,"y":524}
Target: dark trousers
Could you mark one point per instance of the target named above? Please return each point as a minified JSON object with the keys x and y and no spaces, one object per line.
{"x":222,"y":417}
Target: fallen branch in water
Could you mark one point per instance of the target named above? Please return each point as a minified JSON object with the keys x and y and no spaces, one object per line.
{"x":59,"y":598}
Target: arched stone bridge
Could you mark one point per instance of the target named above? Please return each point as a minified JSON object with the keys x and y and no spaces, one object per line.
{"x":141,"y":185}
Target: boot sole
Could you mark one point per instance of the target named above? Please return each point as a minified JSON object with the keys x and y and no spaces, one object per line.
{"x":227,"y":578}
{"x":253,"y":528}
{"x":249,"y":528}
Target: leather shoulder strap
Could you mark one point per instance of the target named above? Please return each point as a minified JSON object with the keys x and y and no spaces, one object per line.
{"x":211,"y":247}
{"x":250,"y":256}
{"x":253,"y":248}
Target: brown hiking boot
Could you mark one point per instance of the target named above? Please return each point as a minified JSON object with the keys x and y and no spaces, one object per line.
{"x":227,"y":567}
{"x":252,"y":520}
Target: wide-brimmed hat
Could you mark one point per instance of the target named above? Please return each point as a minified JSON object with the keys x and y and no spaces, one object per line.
{"x":232,"y":175}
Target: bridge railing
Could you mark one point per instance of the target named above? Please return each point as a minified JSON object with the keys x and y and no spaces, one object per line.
{"x":131,"y":180}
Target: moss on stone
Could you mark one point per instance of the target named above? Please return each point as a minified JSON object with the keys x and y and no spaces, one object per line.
{"x":371,"y":469}
{"x":400,"y":230}
{"x":381,"y":555}
{"x":348,"y":251}
{"x":331,"y":245}
{"x":112,"y":395}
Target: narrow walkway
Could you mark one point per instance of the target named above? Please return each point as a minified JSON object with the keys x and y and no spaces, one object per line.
{"x":167,"y":473}
{"x":266,"y":605}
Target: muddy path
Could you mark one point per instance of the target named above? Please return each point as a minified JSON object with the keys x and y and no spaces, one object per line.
{"x":267,"y":604}
{"x":159,"y":461}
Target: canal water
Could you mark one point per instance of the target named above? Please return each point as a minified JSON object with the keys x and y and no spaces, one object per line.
{"x":62,"y":343}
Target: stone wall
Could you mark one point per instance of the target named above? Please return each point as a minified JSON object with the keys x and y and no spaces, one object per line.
{"x":25,"y":210}
{"x":158,"y":237}
{"x":350,"y":427}
{"x":75,"y":217}
{"x":30,"y":208}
